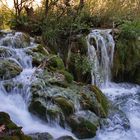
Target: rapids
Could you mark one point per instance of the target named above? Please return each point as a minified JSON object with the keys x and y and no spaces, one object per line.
{"x":15,"y":103}
{"x":100,"y":51}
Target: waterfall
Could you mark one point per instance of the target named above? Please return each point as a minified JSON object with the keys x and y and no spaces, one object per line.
{"x":15,"y":101}
{"x":100,"y":51}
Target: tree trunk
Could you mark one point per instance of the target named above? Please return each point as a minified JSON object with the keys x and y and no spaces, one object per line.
{"x":46,"y":7}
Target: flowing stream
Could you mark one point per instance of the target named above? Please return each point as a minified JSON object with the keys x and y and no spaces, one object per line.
{"x":100,"y":50}
{"x":15,"y":103}
{"x":124,"y":96}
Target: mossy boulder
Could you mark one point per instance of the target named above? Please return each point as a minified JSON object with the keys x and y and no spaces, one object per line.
{"x":37,"y":108}
{"x":102,"y":100}
{"x":9,"y":69}
{"x":56,"y":63}
{"x":65,"y":138}
{"x":41,"y":136}
{"x":40,"y":49}
{"x":83,"y":127}
{"x":9,"y":85}
{"x":54,"y":112}
{"x":5,"y":52}
{"x":68,"y":76}
{"x":11,"y":130}
{"x":66,"y":105}
{"x":38,"y":54}
{"x":95,"y":101}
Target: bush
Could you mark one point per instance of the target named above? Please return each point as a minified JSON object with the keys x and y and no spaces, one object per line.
{"x":127,"y":55}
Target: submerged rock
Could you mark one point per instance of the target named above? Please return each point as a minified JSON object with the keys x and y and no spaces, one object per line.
{"x":83,"y":127}
{"x":38,"y":109}
{"x":65,"y":138}
{"x":66,"y":105}
{"x":41,"y":136}
{"x":9,"y":69}
{"x":4,"y":52}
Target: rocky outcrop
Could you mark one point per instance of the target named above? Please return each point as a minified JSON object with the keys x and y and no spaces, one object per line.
{"x":9,"y":69}
{"x":9,"y":130}
{"x":16,"y":40}
{"x":78,"y":107}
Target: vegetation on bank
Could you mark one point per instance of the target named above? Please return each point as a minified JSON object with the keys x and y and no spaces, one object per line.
{"x":61,"y":26}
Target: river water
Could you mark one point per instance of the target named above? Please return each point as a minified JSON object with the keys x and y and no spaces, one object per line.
{"x":124,"y":96}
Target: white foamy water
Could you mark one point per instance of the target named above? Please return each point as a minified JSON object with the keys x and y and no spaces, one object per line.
{"x":100,"y":51}
{"x":127,"y":98}
{"x":15,"y":102}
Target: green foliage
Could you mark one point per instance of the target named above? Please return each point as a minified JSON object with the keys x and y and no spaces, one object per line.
{"x":19,"y":23}
{"x":130,"y":30}
{"x":81,"y":63}
{"x":57,"y":62}
{"x":127,"y":56}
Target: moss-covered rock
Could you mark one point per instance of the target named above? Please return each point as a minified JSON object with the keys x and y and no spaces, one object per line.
{"x":65,"y":138}
{"x":68,"y":77}
{"x":102,"y":100}
{"x":95,"y":101}
{"x":11,"y":130}
{"x":9,"y":69}
{"x":66,"y":105}
{"x":41,"y":136}
{"x":40,"y":49}
{"x":5,"y":52}
{"x":83,"y":126}
{"x":37,"y":108}
{"x":56,"y":63}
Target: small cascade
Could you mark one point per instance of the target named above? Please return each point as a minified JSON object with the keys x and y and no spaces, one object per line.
{"x":100,"y":51}
{"x":15,"y":91}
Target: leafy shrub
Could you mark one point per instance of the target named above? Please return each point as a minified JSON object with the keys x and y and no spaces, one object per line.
{"x":127,"y":55}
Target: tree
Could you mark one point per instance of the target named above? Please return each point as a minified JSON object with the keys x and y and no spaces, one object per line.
{"x":19,"y":5}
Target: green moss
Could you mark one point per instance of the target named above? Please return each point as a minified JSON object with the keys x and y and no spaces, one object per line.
{"x":37,"y":108}
{"x":82,"y":127}
{"x":59,"y":83}
{"x":66,"y":106}
{"x":69,"y":77}
{"x":102,"y":100}
{"x":9,"y":69}
{"x":40,"y":49}
{"x":57,"y":63}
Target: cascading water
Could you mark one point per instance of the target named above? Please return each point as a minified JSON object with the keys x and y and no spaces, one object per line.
{"x":124,"y":96}
{"x":100,"y":51}
{"x":15,"y":101}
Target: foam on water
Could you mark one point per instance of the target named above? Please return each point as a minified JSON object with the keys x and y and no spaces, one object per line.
{"x":15,"y":102}
{"x":127,"y":98}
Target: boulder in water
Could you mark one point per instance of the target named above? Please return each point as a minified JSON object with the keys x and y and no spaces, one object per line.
{"x":37,"y":108}
{"x":9,"y":69}
{"x":66,"y":105}
{"x":65,"y":138}
{"x":83,"y":125}
{"x":5,"y":52}
{"x":41,"y":136}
